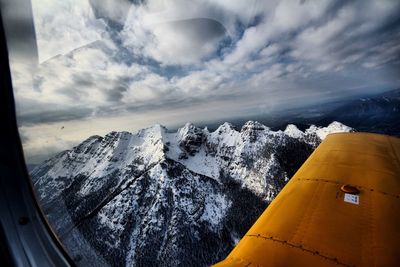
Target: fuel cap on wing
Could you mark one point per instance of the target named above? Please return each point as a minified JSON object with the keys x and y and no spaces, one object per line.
{"x":350,"y":189}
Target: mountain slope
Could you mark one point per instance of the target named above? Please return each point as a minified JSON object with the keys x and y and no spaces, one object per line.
{"x":161,"y":198}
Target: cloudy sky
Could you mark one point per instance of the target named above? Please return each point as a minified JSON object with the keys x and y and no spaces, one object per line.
{"x":104,"y":65}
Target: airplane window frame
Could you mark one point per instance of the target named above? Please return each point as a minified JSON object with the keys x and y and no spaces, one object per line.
{"x":26,"y":237}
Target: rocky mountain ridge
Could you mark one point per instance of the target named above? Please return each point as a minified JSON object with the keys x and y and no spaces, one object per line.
{"x":161,"y":198}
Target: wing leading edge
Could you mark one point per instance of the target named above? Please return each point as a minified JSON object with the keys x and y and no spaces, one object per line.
{"x":341,"y":208}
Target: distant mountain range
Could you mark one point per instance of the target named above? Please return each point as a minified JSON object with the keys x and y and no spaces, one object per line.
{"x":162,"y":198}
{"x":379,"y":113}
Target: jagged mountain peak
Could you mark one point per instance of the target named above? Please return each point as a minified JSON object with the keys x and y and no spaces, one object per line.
{"x":333,"y":127}
{"x":253,"y":126}
{"x":292,"y":131}
{"x":155,"y":131}
{"x":252,"y":130}
{"x":153,"y":197}
{"x":188,"y":127}
{"x":225,"y":127}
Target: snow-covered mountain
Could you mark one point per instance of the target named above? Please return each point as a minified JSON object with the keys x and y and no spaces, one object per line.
{"x":162,"y":198}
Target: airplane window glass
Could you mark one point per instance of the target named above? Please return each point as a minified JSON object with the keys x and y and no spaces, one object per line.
{"x":156,"y":132}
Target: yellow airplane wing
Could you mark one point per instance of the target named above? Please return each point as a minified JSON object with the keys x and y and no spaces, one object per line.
{"x":341,"y":208}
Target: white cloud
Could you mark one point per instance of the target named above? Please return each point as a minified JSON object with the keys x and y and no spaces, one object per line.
{"x":349,"y":37}
{"x":152,"y":87}
{"x":291,"y":38}
{"x":291,"y":14}
{"x":278,"y":22}
{"x":169,"y":38}
{"x":200,"y":83}
{"x":114,"y":10}
{"x":315,"y":45}
{"x":167,"y":56}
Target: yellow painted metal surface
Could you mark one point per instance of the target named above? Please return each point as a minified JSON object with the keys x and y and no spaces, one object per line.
{"x":310,"y":224}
